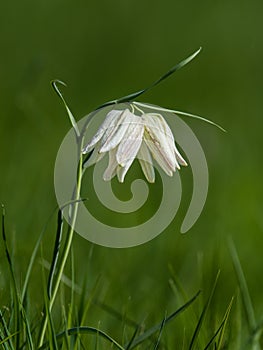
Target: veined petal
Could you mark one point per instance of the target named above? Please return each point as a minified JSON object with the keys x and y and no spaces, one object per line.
{"x":114,"y":134}
{"x":95,"y":157}
{"x":146,"y":162}
{"x":157,"y":155}
{"x":179,"y":157}
{"x":111,"y":170}
{"x":122,"y":170}
{"x":131,"y":143}
{"x":109,"y":121}
{"x":161,"y":136}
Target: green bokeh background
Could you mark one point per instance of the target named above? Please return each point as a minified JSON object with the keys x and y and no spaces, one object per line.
{"x":107,"y":49}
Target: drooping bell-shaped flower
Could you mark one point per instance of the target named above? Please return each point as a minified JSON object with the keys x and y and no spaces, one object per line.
{"x":126,"y":136}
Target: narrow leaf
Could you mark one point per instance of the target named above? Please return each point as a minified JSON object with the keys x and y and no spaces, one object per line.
{"x":55,"y":253}
{"x":247,"y":303}
{"x":186,"y":114}
{"x":221,"y":328}
{"x":136,"y":94}
{"x":13,"y":280}
{"x":157,"y":327}
{"x":203,"y":315}
{"x":84,"y":330}
{"x":71,"y":117}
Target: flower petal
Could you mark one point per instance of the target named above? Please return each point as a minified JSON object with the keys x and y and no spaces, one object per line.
{"x":114,"y":134}
{"x":95,"y":157}
{"x":157,"y":155}
{"x":111,"y":170}
{"x":109,"y":121}
{"x":131,"y":143}
{"x":160,"y":140}
{"x":179,"y":157}
{"x":122,"y":170}
{"x":146,"y":162}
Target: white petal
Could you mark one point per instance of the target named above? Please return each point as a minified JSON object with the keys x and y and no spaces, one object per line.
{"x":122,"y":171}
{"x":157,"y":155}
{"x":110,"y":120}
{"x":179,"y":157}
{"x":131,"y":142}
{"x":146,"y":162}
{"x":111,"y":170}
{"x":114,"y":134}
{"x":160,"y":135}
{"x":95,"y":157}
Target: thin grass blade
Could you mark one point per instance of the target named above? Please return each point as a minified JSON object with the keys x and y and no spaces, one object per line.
{"x":157,"y":327}
{"x":5,"y":331}
{"x":33,"y":256}
{"x":55,"y":254}
{"x":160,"y":333}
{"x":224,"y":323}
{"x":128,"y":346}
{"x":13,"y":280}
{"x":203,"y":315}
{"x":221,"y":329}
{"x":52,"y":334}
{"x":85,"y":330}
{"x":247,"y":303}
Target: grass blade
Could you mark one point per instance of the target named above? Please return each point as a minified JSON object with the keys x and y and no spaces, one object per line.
{"x":33,"y":257}
{"x":5,"y":332}
{"x":224,"y":323}
{"x":157,"y":327}
{"x":160,"y":334}
{"x":13,"y":280}
{"x":247,"y":303}
{"x":55,"y":254}
{"x":203,"y":315}
{"x":128,"y":346}
{"x":85,"y":330}
{"x":2,"y":342}
{"x":221,"y":328}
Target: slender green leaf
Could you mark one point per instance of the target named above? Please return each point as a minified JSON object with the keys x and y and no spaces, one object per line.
{"x":247,"y":303}
{"x":29,"y":339}
{"x":224,"y":323}
{"x":71,"y":117}
{"x":6,"y":333}
{"x":128,"y":346}
{"x":2,"y":342}
{"x":186,"y":114}
{"x":13,"y":280}
{"x":55,"y":254}
{"x":157,"y":327}
{"x":52,"y":334}
{"x":84,"y":330}
{"x":33,"y":256}
{"x":221,"y":329}
{"x":136,"y":94}
{"x":203,"y":315}
{"x":160,"y":334}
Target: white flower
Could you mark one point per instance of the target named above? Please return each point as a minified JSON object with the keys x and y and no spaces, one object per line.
{"x":126,"y":136}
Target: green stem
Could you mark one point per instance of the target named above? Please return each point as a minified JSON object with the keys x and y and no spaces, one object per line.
{"x":68,"y":243}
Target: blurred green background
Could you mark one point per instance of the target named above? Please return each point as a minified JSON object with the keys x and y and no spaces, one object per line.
{"x":107,"y":49}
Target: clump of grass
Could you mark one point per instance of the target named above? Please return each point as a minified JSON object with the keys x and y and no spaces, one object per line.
{"x":19,"y":329}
